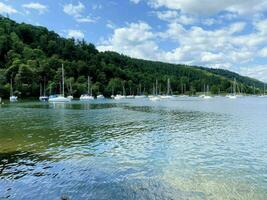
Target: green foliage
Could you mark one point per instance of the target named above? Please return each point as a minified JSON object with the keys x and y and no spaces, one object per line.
{"x":32,"y":56}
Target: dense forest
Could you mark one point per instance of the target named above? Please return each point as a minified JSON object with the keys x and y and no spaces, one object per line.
{"x":31,"y":58}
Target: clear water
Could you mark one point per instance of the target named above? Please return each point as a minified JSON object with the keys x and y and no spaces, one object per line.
{"x":185,"y":148}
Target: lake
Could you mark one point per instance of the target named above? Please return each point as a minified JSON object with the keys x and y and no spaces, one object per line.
{"x":181,"y":148}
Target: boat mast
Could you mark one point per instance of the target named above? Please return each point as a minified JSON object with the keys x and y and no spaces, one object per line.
{"x":40,"y":89}
{"x":88,"y":85}
{"x":234,"y":87}
{"x":44,"y":87}
{"x":168,"y":87}
{"x":11,"y":88}
{"x":123,"y":90}
{"x":63,"y":80}
{"x":157,"y":87}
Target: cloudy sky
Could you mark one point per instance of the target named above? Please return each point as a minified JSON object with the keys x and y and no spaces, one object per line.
{"x":229,"y":34}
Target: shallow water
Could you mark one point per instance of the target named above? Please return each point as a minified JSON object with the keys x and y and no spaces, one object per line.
{"x":183,"y":148}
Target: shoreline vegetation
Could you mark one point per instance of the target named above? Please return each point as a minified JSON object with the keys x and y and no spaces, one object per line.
{"x":31,"y":59}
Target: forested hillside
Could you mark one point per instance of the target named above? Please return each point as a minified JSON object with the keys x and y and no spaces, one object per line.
{"x":31,"y":56}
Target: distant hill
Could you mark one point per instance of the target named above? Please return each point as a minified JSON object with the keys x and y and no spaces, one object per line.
{"x":31,"y":56}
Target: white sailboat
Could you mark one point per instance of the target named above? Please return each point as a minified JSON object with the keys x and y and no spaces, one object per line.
{"x":264,"y":95}
{"x":70,"y":89}
{"x":233,"y":95}
{"x":43,"y":97}
{"x":206,"y":92}
{"x":168,"y":94}
{"x":88,"y":96}
{"x":100,"y":96}
{"x":12,"y":97}
{"x":59,"y":98}
{"x":123,"y":96}
{"x":140,"y":94}
{"x":155,"y":96}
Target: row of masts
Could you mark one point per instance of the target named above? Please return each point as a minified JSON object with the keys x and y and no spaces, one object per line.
{"x":155,"y":92}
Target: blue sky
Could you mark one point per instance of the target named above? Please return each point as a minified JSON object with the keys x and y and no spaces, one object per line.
{"x":229,"y":34}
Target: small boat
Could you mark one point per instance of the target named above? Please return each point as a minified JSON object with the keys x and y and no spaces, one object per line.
{"x":12,"y":97}
{"x":206,"y":92}
{"x":154,"y":98}
{"x":59,"y":98}
{"x":43,"y":98}
{"x":168,"y":94}
{"x":123,"y":96}
{"x":70,"y":97}
{"x":119,"y":97}
{"x":207,"y":97}
{"x":264,"y":95}
{"x":233,"y":95}
{"x":100,"y":96}
{"x":88,"y":96}
{"x":130,"y":97}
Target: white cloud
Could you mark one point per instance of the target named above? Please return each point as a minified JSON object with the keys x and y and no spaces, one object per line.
{"x":224,"y":47}
{"x":76,"y":34}
{"x":110,"y":25}
{"x":135,"y":1}
{"x":97,"y":6}
{"x":74,"y":10}
{"x":263,"y":52}
{"x":136,"y":40}
{"x":36,"y":6}
{"x":210,"y":7}
{"x":6,"y":9}
{"x":174,"y":16}
{"x":87,"y":19}
{"x":258,"y":72}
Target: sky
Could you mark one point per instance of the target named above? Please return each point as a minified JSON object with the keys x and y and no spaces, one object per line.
{"x":229,"y":34}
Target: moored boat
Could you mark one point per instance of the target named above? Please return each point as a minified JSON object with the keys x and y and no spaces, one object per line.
{"x":59,"y":98}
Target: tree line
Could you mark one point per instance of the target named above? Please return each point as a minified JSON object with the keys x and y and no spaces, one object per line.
{"x":31,"y":58}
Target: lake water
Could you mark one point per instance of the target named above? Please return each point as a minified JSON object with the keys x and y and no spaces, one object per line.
{"x":183,"y":148}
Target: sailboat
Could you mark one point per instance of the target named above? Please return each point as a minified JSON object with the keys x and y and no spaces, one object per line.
{"x":233,"y":95}
{"x":183,"y":90}
{"x":155,"y":97}
{"x":70,"y":89}
{"x":140,"y":94}
{"x":43,"y":97}
{"x":123,"y":96}
{"x":59,"y":98}
{"x":100,"y":96}
{"x":12,"y":98}
{"x":264,"y":95}
{"x":130,"y":96}
{"x":206,"y":92}
{"x":167,"y":96}
{"x":88,"y":96}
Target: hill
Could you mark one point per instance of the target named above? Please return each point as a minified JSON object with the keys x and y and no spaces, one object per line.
{"x":31,"y":56}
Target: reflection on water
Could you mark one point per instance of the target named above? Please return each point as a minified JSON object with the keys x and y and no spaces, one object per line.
{"x":185,"y":148}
